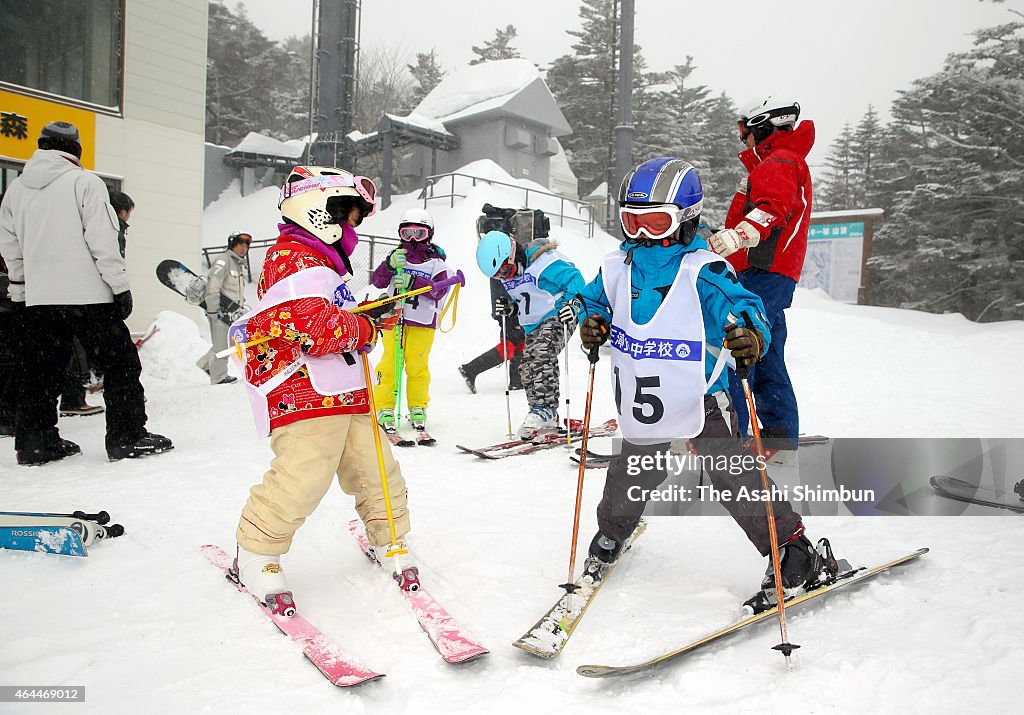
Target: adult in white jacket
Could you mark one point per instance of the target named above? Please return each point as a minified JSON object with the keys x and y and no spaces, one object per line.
{"x":58,"y":236}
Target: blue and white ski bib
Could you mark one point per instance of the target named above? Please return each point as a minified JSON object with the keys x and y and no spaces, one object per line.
{"x":534,"y":302}
{"x":658,"y":367}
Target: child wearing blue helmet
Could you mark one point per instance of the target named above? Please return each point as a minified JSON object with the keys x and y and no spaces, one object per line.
{"x":543,"y":285}
{"x":667,"y":305}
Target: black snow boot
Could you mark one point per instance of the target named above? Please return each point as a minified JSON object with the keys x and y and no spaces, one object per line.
{"x":804,"y":568}
{"x":144,"y":446}
{"x":50,"y":452}
{"x":479,"y":364}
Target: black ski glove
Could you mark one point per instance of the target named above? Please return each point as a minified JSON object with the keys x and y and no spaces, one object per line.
{"x":123,"y":305}
{"x":594,"y":331}
{"x":745,"y":344}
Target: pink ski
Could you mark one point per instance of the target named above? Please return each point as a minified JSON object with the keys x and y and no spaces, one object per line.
{"x":446,"y":635}
{"x":336,"y":666}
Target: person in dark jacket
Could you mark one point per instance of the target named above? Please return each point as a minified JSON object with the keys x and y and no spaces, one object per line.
{"x":765,"y":240}
{"x":123,"y":207}
{"x":58,"y":236}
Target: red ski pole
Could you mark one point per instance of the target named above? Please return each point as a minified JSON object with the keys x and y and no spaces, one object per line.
{"x":785,"y":646}
{"x":569,"y":586}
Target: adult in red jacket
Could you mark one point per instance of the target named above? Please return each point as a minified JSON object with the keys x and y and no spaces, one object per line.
{"x":765,"y":239}
{"x":306,"y":384}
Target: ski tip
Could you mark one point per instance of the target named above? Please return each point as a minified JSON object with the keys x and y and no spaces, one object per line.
{"x":466,"y":657}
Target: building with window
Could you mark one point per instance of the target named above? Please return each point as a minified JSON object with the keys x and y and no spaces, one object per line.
{"x":131,"y":75}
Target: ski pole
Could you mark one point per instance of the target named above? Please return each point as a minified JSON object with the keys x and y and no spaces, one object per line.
{"x":399,"y":354}
{"x":785,"y":646}
{"x":568,"y":416}
{"x":394,"y":549}
{"x":508,"y":374}
{"x":592,"y":356}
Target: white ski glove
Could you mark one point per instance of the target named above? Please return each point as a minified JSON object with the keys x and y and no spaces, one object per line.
{"x":727,"y":242}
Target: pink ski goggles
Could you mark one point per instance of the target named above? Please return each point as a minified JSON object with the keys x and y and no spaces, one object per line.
{"x":362,"y":184}
{"x":414,"y":233}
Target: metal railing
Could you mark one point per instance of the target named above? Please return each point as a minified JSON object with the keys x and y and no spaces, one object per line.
{"x":429,"y":194}
{"x":370,"y":249}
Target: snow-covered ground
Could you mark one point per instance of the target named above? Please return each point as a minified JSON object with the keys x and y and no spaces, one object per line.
{"x":146,"y":624}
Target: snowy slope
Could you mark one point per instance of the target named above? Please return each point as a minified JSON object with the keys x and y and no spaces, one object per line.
{"x":146,"y":624}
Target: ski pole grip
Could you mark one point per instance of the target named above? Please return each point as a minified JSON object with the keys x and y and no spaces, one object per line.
{"x":451,"y":280}
{"x":592,"y":356}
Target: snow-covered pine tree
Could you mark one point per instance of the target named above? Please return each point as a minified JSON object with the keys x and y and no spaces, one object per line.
{"x":720,"y":144}
{"x":498,"y":48}
{"x":840,"y":187}
{"x":427,"y":74}
{"x":952,"y":240}
{"x":252,"y":83}
{"x":584,"y":85}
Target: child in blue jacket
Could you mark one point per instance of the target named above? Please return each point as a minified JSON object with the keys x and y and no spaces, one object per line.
{"x":667,"y":305}
{"x":543,"y":285}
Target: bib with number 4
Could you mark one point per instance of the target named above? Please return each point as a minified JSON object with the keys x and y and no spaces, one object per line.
{"x":658,"y":367}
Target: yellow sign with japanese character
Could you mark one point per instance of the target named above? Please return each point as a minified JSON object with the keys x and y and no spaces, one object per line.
{"x":23,"y":117}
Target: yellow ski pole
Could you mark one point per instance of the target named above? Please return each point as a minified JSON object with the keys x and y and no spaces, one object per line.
{"x":394,"y":549}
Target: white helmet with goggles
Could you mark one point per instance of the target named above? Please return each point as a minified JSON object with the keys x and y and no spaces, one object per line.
{"x":319,"y":198}
{"x":416,"y":225}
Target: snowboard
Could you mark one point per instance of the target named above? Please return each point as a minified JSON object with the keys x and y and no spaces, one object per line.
{"x":176,"y":276}
{"x":958,"y":489}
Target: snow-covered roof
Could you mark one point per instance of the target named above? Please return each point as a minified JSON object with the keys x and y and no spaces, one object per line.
{"x":255,"y":143}
{"x":510,"y":86}
{"x":477,"y":84}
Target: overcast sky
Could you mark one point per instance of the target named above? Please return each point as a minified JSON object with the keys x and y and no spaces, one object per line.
{"x":833,"y":56}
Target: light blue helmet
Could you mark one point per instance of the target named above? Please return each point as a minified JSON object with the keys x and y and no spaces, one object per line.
{"x":494,"y":249}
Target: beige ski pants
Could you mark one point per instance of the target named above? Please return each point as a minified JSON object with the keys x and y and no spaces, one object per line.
{"x":307,"y":455}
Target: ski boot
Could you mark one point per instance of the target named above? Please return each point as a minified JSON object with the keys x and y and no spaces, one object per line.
{"x":400,"y":564}
{"x":263,"y":577}
{"x":541,"y":420}
{"x":418,"y":418}
{"x":386,"y":419}
{"x":149,"y":443}
{"x":804,"y":568}
{"x":603,"y":554}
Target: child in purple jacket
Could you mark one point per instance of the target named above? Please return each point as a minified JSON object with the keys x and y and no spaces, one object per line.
{"x":416,"y":263}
